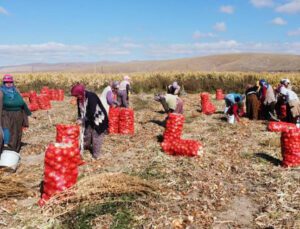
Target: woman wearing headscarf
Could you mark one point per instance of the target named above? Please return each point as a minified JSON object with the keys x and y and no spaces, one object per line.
{"x":109,"y":94}
{"x":234,"y":105}
{"x":123,"y":92}
{"x":252,"y":102}
{"x":267,"y":99}
{"x":171,"y":103}
{"x":173,"y":89}
{"x":14,"y":114}
{"x":93,"y":118}
{"x":293,"y":104}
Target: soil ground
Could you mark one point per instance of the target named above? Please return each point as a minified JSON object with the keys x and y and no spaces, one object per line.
{"x":236,"y":183}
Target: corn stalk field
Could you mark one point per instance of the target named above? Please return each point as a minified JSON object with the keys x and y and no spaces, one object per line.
{"x":193,"y":82}
{"x":236,"y":183}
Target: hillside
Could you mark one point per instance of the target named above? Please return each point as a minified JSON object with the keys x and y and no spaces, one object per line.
{"x":229,"y":62}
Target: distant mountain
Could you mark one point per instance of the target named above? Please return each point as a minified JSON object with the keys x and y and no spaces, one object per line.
{"x":229,"y":62}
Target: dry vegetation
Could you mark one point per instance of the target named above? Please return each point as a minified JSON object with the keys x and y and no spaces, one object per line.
{"x":237,"y":183}
{"x":193,"y":82}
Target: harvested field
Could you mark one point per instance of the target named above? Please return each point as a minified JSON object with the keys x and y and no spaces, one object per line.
{"x":237,"y":183}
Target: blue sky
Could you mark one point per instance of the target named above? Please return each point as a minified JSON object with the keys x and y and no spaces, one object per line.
{"x":118,"y":30}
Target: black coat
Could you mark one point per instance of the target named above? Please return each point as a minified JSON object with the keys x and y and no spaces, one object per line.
{"x":95,"y":115}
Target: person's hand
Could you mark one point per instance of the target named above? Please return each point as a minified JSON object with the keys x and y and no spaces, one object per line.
{"x":79,"y":122}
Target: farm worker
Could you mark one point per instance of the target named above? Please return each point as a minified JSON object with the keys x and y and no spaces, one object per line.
{"x":123,"y":92}
{"x":286,"y":83}
{"x":234,"y":105}
{"x":14,"y":114}
{"x":173,"y":89}
{"x":108,"y":97}
{"x":252,"y":102}
{"x":93,"y":118}
{"x":293,"y":104}
{"x":281,"y":98}
{"x":171,"y":103}
{"x":267,"y":99}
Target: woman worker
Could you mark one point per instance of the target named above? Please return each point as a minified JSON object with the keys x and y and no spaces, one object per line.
{"x":171,"y":103}
{"x":14,"y":114}
{"x":234,"y":105}
{"x":92,"y":116}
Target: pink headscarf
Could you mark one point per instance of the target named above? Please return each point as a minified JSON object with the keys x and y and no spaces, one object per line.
{"x":78,"y":90}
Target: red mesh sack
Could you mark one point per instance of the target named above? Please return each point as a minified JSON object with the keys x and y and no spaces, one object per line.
{"x":44,"y":102}
{"x":25,"y":94}
{"x":60,"y":170}
{"x":68,"y":134}
{"x":33,"y":106}
{"x":126,"y":121}
{"x":182,"y":147}
{"x":113,"y":120}
{"x":33,"y":98}
{"x":174,"y":127}
{"x":290,"y":148}
{"x":60,"y":95}
{"x":207,"y":107}
{"x":280,"y":126}
{"x":219,"y":94}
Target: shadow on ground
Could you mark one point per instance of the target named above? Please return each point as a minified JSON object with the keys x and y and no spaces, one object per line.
{"x":269,"y":158}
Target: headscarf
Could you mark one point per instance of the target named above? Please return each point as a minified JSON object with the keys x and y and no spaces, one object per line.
{"x":127,"y":78}
{"x":10,"y":92}
{"x":175,"y":84}
{"x":78,"y":90}
{"x":115,"y":84}
{"x":263,"y":83}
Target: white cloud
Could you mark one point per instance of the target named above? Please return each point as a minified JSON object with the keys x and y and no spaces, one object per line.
{"x":57,"y":52}
{"x":227,"y":9}
{"x":294,"y":32}
{"x":220,"y":27}
{"x":293,"y":6}
{"x":262,"y":3}
{"x":278,"y":21}
{"x":220,"y":47}
{"x":197,"y":35}
{"x":3,"y":11}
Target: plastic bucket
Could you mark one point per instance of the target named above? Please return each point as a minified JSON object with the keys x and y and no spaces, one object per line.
{"x":10,"y":159}
{"x":230,"y":119}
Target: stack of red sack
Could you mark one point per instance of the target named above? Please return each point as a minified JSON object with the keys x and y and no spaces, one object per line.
{"x":60,"y":95}
{"x":44,"y":102}
{"x":126,"y":121}
{"x":121,"y":121}
{"x":68,"y":134}
{"x":290,"y":147}
{"x":33,"y":101}
{"x":280,"y":126}
{"x":219,"y":94}
{"x":207,"y":107}
{"x":61,"y":169}
{"x":173,"y":144}
{"x":113,"y":120}
{"x":174,"y":127}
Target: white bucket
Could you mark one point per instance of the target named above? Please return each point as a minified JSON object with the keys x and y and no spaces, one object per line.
{"x":10,"y":159}
{"x":230,"y":119}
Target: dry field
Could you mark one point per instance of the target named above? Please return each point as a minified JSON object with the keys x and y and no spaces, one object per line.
{"x":236,"y":183}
